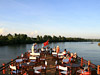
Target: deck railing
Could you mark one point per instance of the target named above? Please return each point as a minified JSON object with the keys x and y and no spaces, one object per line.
{"x":5,"y":66}
{"x":88,"y":63}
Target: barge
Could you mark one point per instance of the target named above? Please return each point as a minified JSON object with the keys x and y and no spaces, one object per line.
{"x":48,"y":62}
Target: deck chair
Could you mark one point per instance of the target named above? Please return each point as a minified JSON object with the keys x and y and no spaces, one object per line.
{"x":62,"y":70}
{"x":15,"y":71}
{"x":54,"y":53}
{"x":32,"y":59}
{"x":35,"y":54}
{"x":42,"y":59}
{"x":60,"y":54}
{"x":37,"y":70}
{"x":19,"y":60}
{"x":56,"y":56}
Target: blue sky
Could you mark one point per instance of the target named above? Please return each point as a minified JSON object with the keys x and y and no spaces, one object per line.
{"x":69,"y":18}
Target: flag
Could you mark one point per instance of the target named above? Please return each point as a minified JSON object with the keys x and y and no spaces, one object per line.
{"x":46,"y":43}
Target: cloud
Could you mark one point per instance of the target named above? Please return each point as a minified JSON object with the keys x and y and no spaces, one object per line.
{"x":1,"y":30}
{"x":34,"y":33}
{"x":2,"y":24}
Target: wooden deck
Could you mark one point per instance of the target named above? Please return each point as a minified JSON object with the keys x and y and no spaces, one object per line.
{"x":51,"y":69}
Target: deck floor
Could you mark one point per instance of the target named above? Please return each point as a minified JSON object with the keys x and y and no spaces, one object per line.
{"x":51,"y":69}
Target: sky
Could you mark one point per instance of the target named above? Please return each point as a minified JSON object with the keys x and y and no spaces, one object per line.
{"x":69,"y":18}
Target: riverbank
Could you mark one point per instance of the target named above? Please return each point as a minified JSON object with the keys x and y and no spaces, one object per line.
{"x":24,"y":39}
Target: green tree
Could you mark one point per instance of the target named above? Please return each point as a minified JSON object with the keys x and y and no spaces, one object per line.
{"x":38,"y":38}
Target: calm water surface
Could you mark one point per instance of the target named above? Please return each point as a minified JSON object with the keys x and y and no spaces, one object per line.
{"x":84,"y":49}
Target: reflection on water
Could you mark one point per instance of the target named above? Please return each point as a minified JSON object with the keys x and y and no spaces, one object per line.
{"x":84,"y":49}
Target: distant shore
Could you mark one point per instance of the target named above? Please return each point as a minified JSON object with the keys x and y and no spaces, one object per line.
{"x":24,"y":39}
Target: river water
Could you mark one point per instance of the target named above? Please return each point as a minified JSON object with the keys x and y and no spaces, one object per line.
{"x":84,"y":49}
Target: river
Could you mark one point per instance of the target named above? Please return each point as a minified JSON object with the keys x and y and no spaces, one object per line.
{"x":84,"y":49}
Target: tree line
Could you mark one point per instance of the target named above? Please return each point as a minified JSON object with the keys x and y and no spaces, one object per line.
{"x":15,"y":39}
{"x":24,"y":39}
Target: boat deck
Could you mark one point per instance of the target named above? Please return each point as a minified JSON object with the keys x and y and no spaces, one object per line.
{"x":50,"y":68}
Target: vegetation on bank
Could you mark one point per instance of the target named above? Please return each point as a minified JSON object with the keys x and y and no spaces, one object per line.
{"x":24,"y":39}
